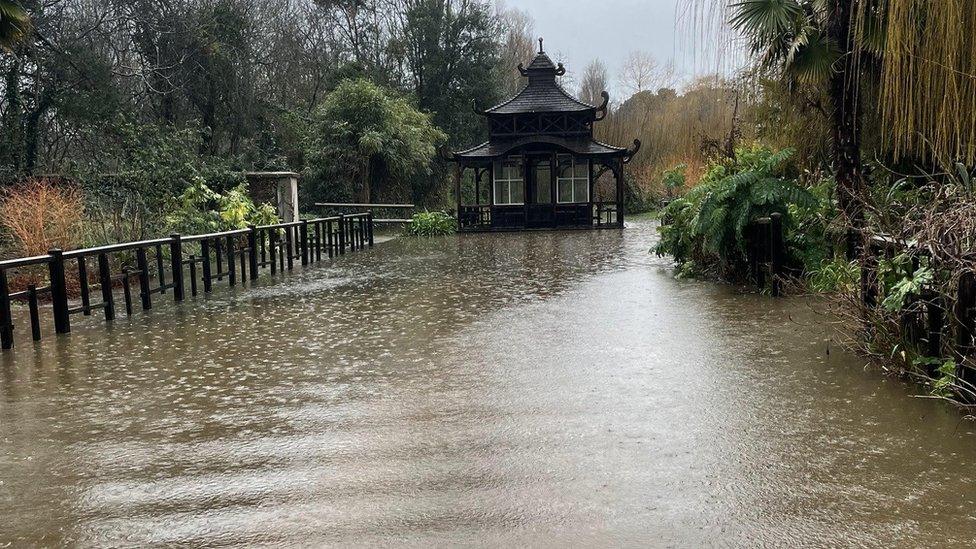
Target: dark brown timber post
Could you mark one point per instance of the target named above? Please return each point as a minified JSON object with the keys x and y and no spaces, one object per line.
{"x":127,"y":291}
{"x":176,"y":265}
{"x":193,"y":275}
{"x":330,"y":238}
{"x":369,"y":227}
{"x":160,"y":270}
{"x":59,"y":292}
{"x":273,"y":250}
{"x":776,"y":252}
{"x":936,"y":323}
{"x":342,"y":234}
{"x":290,"y":246}
{"x":205,"y":253}
{"x":966,"y":315}
{"x":6,"y":318}
{"x":35,"y":319}
{"x":83,"y":282}
{"x":105,"y":280}
{"x":252,"y":244}
{"x":144,"y":291}
{"x":231,"y":261}
{"x":318,"y":241}
{"x":303,"y":236}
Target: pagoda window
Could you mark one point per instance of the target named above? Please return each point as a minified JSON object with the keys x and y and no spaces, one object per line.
{"x":509,"y":182}
{"x":573,"y":180}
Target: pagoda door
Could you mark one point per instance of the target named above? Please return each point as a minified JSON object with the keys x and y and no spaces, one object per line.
{"x":540,"y":195}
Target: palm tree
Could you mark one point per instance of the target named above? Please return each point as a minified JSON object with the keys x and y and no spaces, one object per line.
{"x":813,"y":42}
{"x":14,"y":24}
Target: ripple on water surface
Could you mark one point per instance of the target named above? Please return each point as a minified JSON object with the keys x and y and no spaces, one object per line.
{"x":544,"y":388}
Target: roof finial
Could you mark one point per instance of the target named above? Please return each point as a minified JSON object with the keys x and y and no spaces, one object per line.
{"x":540,"y":46}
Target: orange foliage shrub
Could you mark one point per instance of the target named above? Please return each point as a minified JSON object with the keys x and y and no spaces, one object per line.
{"x":39,"y":216}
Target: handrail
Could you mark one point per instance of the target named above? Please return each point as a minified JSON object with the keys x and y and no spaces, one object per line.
{"x":112,"y":248}
{"x":211,"y":236}
{"x":353,"y":205}
{"x":24,"y":261}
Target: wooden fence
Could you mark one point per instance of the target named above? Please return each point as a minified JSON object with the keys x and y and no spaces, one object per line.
{"x":237,"y":256}
{"x":927,"y":320}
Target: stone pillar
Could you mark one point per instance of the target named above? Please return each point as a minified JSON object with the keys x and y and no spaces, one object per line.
{"x":287,"y":192}
{"x":280,"y":189}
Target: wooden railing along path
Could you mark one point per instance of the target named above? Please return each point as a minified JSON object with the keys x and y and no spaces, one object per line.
{"x":236,"y":255}
{"x":343,"y":206}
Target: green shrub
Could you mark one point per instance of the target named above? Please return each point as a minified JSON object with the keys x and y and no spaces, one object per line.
{"x":200,"y":210}
{"x":708,"y":224}
{"x":430,"y":224}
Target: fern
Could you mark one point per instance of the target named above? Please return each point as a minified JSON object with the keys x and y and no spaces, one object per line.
{"x":708,"y":225}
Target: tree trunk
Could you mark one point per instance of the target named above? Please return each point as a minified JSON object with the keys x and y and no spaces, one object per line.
{"x":846,"y":117}
{"x":367,"y":183}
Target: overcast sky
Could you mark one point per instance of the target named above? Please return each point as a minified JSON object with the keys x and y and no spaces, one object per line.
{"x":581,"y":30}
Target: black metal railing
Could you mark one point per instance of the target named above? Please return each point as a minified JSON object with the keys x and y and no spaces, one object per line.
{"x":237,"y":256}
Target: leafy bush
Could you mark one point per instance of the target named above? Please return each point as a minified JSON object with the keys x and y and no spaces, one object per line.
{"x":708,"y":224}
{"x":836,"y":275}
{"x":674,"y":180}
{"x":430,"y":224}
{"x":201,"y":210}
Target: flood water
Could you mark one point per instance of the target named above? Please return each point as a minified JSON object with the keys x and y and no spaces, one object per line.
{"x":543,"y":389}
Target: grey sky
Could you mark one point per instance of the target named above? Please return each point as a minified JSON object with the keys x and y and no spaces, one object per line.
{"x":581,"y":30}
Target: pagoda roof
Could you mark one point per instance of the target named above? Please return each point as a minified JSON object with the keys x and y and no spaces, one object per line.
{"x":583,"y":146}
{"x":542,"y":93}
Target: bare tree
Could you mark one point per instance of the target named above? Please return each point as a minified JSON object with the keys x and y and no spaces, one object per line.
{"x":641,"y":72}
{"x":517,"y":45}
{"x":594,"y":82}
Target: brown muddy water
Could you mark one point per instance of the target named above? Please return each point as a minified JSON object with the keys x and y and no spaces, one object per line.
{"x":543,"y":389}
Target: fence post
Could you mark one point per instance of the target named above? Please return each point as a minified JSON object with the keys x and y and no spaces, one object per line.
{"x":966,"y":315}
{"x":290,"y":245}
{"x":369,"y":227}
{"x":35,"y":318}
{"x":160,"y":269}
{"x":330,"y":238}
{"x":342,"y":234}
{"x":318,"y":241}
{"x":205,"y":255}
{"x":83,"y":281}
{"x":176,"y":265}
{"x":6,"y":319}
{"x":143,"y":266}
{"x":105,"y":280}
{"x":752,"y":251}
{"x":252,"y":243}
{"x":231,"y":263}
{"x":869,"y":289}
{"x":303,"y":236}
{"x":193,"y":275}
{"x":776,"y":252}
{"x":59,"y":292}
{"x":273,"y":250}
{"x":936,"y":323}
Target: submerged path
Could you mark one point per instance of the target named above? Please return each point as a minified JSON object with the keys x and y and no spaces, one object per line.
{"x":511,"y":389}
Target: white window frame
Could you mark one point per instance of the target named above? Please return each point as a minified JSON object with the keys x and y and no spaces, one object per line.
{"x":572,"y":180}
{"x":509,"y":181}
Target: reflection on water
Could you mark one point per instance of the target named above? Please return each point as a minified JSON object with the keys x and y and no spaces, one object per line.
{"x":543,"y":388}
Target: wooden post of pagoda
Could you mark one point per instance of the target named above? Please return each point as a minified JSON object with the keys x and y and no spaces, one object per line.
{"x":620,"y":193}
{"x":457,"y":191}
